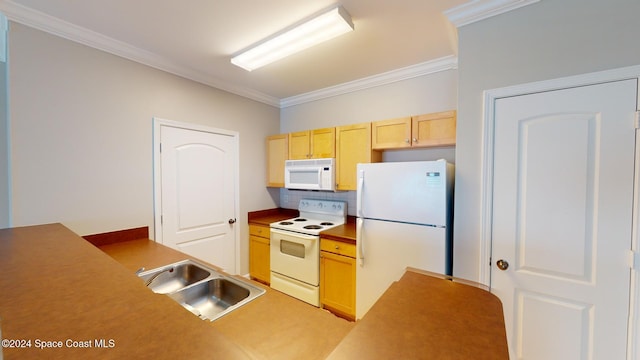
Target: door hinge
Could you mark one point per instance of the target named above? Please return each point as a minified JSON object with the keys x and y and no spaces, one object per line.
{"x":636,"y":121}
{"x":634,"y":260}
{"x":161,"y":143}
{"x":161,"y":220}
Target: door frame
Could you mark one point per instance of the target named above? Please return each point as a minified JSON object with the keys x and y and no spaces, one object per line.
{"x":488,"y":125}
{"x":157,"y":175}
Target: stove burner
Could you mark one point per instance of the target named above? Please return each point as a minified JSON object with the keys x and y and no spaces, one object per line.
{"x":300,"y":219}
{"x":313,"y":227}
{"x":286,"y":223}
{"x":326,"y":223}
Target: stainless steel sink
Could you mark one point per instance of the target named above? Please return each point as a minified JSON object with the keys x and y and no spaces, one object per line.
{"x":173,"y":277}
{"x":203,"y":291}
{"x":213,"y":298}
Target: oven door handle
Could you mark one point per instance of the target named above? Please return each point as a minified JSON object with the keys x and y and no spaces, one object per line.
{"x":293,"y":235}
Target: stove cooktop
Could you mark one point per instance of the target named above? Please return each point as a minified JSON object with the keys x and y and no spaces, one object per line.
{"x":315,"y":216}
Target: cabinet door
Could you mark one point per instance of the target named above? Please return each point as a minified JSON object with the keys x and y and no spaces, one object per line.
{"x":299,"y":145}
{"x":353,"y":146}
{"x":391,"y":134}
{"x":259,"y":255}
{"x":437,"y":129}
{"x":277,"y":153}
{"x":323,"y":143}
{"x":338,"y":283}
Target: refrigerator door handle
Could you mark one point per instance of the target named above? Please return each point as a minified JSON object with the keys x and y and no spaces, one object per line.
{"x":359,"y":193}
{"x":359,"y":241}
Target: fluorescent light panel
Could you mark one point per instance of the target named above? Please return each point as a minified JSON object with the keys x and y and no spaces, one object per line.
{"x":321,"y":28}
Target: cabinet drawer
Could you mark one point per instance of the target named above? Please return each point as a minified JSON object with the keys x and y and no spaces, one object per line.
{"x":338,"y":247}
{"x":259,"y":230}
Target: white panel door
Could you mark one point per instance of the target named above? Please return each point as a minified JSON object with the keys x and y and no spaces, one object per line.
{"x":198,"y":177}
{"x":562,"y":220}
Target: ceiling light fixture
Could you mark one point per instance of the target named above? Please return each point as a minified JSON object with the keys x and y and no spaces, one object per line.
{"x":311,"y":32}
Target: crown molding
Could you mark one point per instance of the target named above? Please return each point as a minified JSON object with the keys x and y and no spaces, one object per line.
{"x":41,"y":21}
{"x":461,"y":15}
{"x":429,"y":67}
{"x":477,"y":10}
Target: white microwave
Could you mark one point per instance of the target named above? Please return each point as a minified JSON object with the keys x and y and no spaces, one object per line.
{"x":312,"y":174}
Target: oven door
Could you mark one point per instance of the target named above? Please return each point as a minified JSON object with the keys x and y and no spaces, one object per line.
{"x":296,"y":256}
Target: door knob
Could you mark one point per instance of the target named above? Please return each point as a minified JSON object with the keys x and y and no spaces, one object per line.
{"x":502,"y":265}
{"x":231,"y":221}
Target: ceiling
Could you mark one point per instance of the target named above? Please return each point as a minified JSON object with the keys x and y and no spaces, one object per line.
{"x":196,"y":38}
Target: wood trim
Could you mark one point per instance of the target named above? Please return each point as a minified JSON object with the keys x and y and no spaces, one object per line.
{"x":118,"y":236}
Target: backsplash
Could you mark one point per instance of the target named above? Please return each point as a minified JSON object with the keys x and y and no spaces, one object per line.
{"x":289,"y":199}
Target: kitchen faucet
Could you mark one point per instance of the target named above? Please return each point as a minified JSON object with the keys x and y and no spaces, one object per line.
{"x":148,"y":282}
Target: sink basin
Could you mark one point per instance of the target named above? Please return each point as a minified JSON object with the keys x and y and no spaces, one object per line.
{"x":205,"y":292}
{"x":215,"y":297}
{"x":170,"y":278}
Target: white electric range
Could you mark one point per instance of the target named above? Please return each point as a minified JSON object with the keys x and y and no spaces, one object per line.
{"x":295,"y":248}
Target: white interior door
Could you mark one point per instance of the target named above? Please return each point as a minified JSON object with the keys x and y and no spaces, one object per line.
{"x":562,"y":220}
{"x":197,"y":180}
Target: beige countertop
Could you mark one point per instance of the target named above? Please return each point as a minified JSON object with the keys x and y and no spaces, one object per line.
{"x":428,"y":316}
{"x":58,"y":287}
{"x":273,"y":326}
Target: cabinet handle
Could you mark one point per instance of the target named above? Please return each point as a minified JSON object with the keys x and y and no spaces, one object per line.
{"x":415,"y":140}
{"x":406,"y":140}
{"x":337,"y":247}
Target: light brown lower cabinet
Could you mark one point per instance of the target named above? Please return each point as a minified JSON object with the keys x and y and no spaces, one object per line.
{"x":259,"y":256}
{"x":338,"y":277}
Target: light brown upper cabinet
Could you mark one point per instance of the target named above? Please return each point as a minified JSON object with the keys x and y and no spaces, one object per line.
{"x":436,"y":129}
{"x":391,"y":134}
{"x":353,"y":146}
{"x":277,"y":152}
{"x":312,"y":144}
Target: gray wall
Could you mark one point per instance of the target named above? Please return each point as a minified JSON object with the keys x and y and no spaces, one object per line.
{"x":81,"y":135}
{"x":546,"y":40}
{"x":420,"y":95}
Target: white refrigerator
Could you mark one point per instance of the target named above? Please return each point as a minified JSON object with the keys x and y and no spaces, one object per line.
{"x":404,"y":219}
